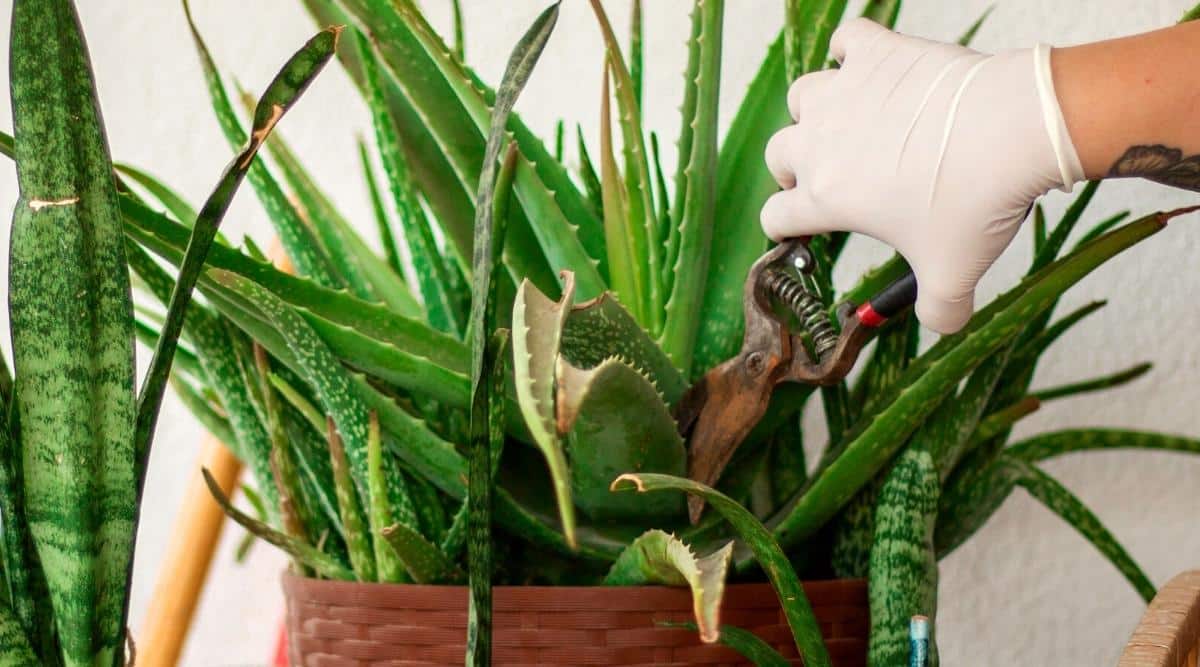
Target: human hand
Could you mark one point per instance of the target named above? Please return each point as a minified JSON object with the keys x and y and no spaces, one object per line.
{"x":932,"y":148}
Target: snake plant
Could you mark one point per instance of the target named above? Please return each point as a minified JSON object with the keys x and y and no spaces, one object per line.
{"x":77,"y":430}
{"x":490,"y":398}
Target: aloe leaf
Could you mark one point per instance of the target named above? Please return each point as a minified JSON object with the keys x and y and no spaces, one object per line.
{"x":174,"y":202}
{"x":293,"y":512}
{"x":1029,"y":353}
{"x":1062,"y":502}
{"x":742,"y":188}
{"x":565,"y":230}
{"x":1191,"y":14}
{"x":386,"y":238}
{"x":185,"y":359}
{"x":1039,"y":228}
{"x":429,"y":270}
{"x":636,"y":57}
{"x":627,"y":273}
{"x":695,"y":197}
{"x":939,"y":370}
{"x":537,"y":327}
{"x":903,"y":565}
{"x":1102,"y":227}
{"x":209,"y":416}
{"x":604,"y":438}
{"x":72,"y":334}
{"x":324,"y":565}
{"x":808,"y":25}
{"x":767,"y":551}
{"x":1057,"y":443}
{"x":379,"y":513}
{"x":1096,"y":384}
{"x":1058,"y":235}
{"x":422,"y":560}
{"x":297,"y":238}
{"x":969,"y":35}
{"x":639,"y":201}
{"x":601,"y":328}
{"x":664,"y":200}
{"x":660,"y":558}
{"x":883,"y":12}
{"x":354,"y":522}
{"x":1001,"y":420}
{"x":167,"y":238}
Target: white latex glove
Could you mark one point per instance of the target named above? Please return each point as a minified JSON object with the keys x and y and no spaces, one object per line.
{"x":934,"y":149}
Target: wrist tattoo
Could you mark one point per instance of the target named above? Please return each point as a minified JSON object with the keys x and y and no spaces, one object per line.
{"x":1160,"y":164}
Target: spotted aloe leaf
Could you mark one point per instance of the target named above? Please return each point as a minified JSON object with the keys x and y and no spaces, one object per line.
{"x":796,"y":608}
{"x":658,"y":557}
{"x":1057,"y":443}
{"x":604,"y":438}
{"x":537,"y":330}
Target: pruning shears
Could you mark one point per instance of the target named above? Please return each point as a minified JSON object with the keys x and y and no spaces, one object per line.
{"x":789,"y":337}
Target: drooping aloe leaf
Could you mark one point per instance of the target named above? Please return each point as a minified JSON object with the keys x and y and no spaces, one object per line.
{"x":903,"y":565}
{"x":643,"y":223}
{"x":627,"y":271}
{"x":604,"y":438}
{"x":1096,"y":384}
{"x":1056,"y":443}
{"x":938,"y":371}
{"x":379,"y":512}
{"x":175,"y":203}
{"x":1062,"y":502}
{"x":767,"y":551}
{"x":323,"y":564}
{"x":430,"y":272}
{"x":690,"y":251}
{"x":658,"y":557}
{"x":424,"y":562}
{"x":567,"y":234}
{"x":743,"y":186}
{"x":601,"y":328}
{"x":167,"y":239}
{"x":298,"y":239}
{"x":537,"y":327}
{"x":386,"y":238}
{"x":969,"y":35}
{"x":72,"y":334}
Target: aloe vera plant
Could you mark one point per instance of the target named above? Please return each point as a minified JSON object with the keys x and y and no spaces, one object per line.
{"x":77,"y":432}
{"x":523,"y":339}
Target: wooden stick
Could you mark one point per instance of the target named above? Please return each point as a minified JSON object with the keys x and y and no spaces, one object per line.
{"x":186,"y":564}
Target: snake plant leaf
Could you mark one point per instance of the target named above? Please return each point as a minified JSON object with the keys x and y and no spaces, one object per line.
{"x":604,"y":438}
{"x":1058,"y":499}
{"x":354,"y":521}
{"x":425,"y":563}
{"x":1103,"y":226}
{"x":689,"y":254}
{"x":639,"y":211}
{"x":796,"y":608}
{"x":15,"y":650}
{"x":743,"y":186}
{"x":430,"y":272}
{"x":969,"y":35}
{"x":808,"y":25}
{"x":1096,"y":384}
{"x":749,"y":645}
{"x":16,"y":544}
{"x":658,"y":557}
{"x":175,"y":203}
{"x":938,"y":371}
{"x":167,"y":239}
{"x":72,"y":334}
{"x":298,"y":239}
{"x":601,"y":328}
{"x":323,"y":564}
{"x":1056,"y":443}
{"x":537,"y":329}
{"x":555,"y":210}
{"x":627,"y":273}
{"x":903,"y":565}
{"x":386,"y":238}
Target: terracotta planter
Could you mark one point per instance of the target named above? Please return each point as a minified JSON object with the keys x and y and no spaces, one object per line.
{"x":341,"y":624}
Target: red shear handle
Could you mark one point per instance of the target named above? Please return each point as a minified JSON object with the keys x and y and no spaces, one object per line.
{"x":894,"y":298}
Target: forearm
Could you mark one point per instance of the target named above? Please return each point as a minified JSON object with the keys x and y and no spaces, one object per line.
{"x":1132,"y":105}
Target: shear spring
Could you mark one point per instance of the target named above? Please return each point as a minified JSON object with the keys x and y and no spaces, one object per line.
{"x":807,"y":307}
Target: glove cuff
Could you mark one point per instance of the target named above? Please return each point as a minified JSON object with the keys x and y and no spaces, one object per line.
{"x":1069,"y":167}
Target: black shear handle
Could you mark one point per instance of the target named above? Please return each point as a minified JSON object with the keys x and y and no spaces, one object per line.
{"x":890,"y":301}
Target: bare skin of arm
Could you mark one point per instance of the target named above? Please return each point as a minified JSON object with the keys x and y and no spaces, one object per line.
{"x":1132,"y":105}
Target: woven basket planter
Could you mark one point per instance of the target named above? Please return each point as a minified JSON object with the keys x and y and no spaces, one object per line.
{"x":344,"y":624}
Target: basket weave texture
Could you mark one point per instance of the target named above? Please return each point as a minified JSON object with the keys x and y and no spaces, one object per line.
{"x":346,"y":624}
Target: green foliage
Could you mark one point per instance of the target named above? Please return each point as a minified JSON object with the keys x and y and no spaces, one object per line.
{"x":619,"y":288}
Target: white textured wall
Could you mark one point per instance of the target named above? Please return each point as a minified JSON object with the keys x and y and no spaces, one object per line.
{"x":1026,"y":588}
